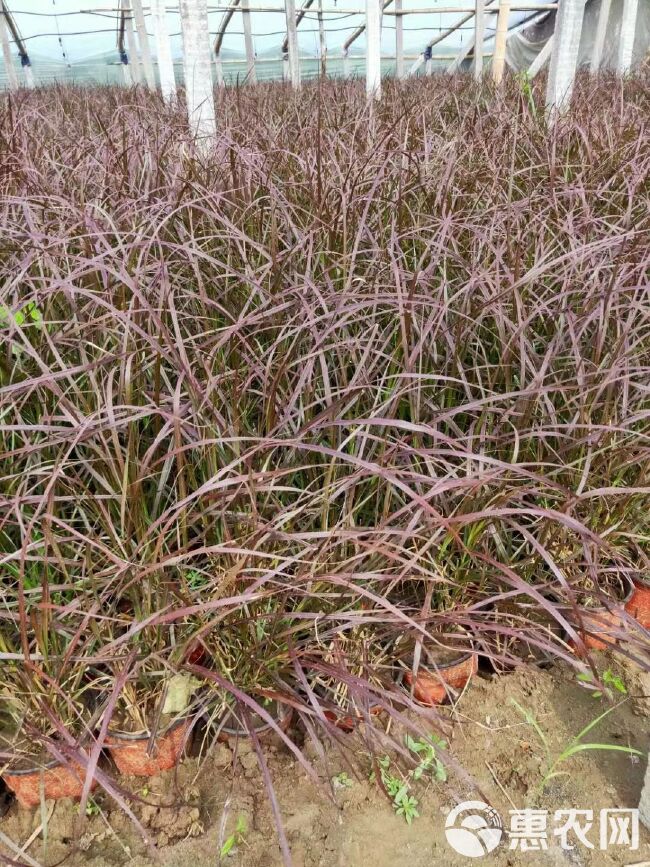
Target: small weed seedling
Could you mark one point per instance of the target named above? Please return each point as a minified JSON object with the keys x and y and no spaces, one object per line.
{"x":399,"y":788}
{"x":425,"y":750}
{"x":612,"y":684}
{"x":92,"y":809}
{"x":342,"y":781}
{"x":235,"y":839}
{"x":573,"y":747}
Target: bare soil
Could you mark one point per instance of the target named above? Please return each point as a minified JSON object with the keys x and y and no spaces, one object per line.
{"x":191,"y":811}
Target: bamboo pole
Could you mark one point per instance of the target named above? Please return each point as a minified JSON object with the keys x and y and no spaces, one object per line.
{"x":564,"y":57}
{"x":601,"y":33}
{"x":399,"y":41}
{"x":626,"y":39}
{"x":134,"y":60}
{"x":542,"y":58}
{"x":500,"y":39}
{"x":293,"y":57}
{"x":479,"y":38}
{"x":12,"y":78}
{"x":143,"y":41}
{"x":251,"y":74}
{"x":373,"y":49}
{"x":163,"y":50}
{"x":198,"y":71}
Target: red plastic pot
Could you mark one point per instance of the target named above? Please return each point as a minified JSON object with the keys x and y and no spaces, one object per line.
{"x":58,"y":781}
{"x":348,"y":722}
{"x":130,"y":751}
{"x":598,"y":626}
{"x":431,"y":687}
{"x":638,"y":604}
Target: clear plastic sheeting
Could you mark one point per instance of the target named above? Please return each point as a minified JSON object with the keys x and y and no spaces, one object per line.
{"x":76,"y":41}
{"x":73,"y":41}
{"x":523,"y":47}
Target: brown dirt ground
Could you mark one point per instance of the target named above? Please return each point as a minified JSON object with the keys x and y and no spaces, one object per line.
{"x":190,"y":811}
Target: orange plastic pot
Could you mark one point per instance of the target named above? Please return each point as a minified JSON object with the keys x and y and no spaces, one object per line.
{"x":348,"y":722}
{"x":130,"y":752}
{"x":58,"y":781}
{"x":639,"y":603}
{"x":598,"y":626}
{"x":432,"y":687}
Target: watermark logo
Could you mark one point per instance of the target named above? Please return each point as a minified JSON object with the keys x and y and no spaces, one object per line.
{"x":473,"y":829}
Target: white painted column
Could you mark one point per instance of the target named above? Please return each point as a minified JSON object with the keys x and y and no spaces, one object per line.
{"x":564,"y":57}
{"x":479,"y":38}
{"x":198,"y":71}
{"x":28,"y":72}
{"x":292,"y":43}
{"x":500,"y":39}
{"x":626,"y":41}
{"x":373,"y":49}
{"x":218,"y":68}
{"x":12,"y":78}
{"x":251,"y":73}
{"x":131,"y":48}
{"x":601,"y":33}
{"x":399,"y":41}
{"x":163,"y":50}
{"x":143,"y":41}
{"x":322,"y":41}
{"x":346,"y":65}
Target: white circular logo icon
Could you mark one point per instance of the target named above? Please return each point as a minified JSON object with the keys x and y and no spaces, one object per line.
{"x":473,"y":829}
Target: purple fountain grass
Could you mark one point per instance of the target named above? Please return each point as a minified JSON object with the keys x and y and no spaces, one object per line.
{"x":345,"y":378}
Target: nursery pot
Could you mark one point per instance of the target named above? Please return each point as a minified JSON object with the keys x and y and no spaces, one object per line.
{"x":520,"y":647}
{"x":430,"y":686}
{"x":599,"y":625}
{"x":347,"y":722}
{"x":58,"y":781}
{"x":232,"y":729}
{"x":130,"y":751}
{"x":638,"y":604}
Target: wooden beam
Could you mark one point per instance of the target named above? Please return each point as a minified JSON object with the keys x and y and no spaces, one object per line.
{"x":500,"y":39}
{"x":163,"y":50}
{"x":143,"y":42}
{"x":198,"y":72}
{"x":301,"y":14}
{"x":251,"y":74}
{"x":373,"y":49}
{"x":479,"y":38}
{"x":564,"y":57}
{"x":292,"y":44}
{"x":134,"y":60}
{"x":322,"y":40}
{"x":601,"y":33}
